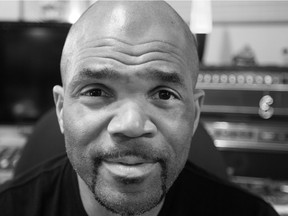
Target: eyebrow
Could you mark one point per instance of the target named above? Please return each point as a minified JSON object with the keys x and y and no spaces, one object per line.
{"x":88,"y":74}
{"x":161,"y":76}
{"x":97,"y":74}
{"x":110,"y":74}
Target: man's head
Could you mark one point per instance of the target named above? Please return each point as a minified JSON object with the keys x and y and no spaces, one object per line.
{"x":128,"y":107}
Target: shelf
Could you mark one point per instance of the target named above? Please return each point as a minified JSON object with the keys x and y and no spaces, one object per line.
{"x":240,"y":110}
{"x":245,"y":145}
{"x":243,"y":87}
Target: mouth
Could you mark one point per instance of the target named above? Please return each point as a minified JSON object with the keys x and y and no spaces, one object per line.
{"x":129,"y":167}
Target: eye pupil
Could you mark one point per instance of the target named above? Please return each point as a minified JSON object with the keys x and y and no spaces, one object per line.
{"x":164,"y":95}
{"x":95,"y":92}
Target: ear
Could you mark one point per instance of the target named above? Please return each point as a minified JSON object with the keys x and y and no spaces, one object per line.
{"x":58,"y":94}
{"x":198,"y":100}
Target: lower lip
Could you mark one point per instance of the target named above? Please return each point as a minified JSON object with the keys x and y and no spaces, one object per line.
{"x":130,"y":171}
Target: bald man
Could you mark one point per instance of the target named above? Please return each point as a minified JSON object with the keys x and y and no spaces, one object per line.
{"x":128,"y":109}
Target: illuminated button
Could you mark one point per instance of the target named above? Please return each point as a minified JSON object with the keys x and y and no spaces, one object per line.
{"x":266,"y":110}
{"x":200,"y":77}
{"x":215,"y":78}
{"x":232,"y":79}
{"x":265,"y":102}
{"x":224,"y":78}
{"x":259,"y":79}
{"x":268,"y":79}
{"x":207,"y":78}
{"x":4,"y":164}
{"x":241,"y":79}
{"x":249,"y":79}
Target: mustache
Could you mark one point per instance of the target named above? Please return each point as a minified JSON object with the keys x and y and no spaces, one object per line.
{"x":138,"y":148}
{"x":146,"y":154}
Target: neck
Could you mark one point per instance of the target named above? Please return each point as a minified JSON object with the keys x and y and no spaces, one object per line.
{"x":93,"y":208}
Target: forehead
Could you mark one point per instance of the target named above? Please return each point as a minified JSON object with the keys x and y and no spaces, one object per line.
{"x":132,"y":21}
{"x":109,"y":58}
{"x":130,"y":38}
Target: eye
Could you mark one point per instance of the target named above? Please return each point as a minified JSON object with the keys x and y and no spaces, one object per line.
{"x":94,"y":92}
{"x":165,"y":95}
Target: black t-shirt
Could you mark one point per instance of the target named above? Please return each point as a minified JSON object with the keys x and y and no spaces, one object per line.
{"x":52,"y":189}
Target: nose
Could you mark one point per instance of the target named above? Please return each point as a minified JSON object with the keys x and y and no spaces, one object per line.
{"x":131,"y":121}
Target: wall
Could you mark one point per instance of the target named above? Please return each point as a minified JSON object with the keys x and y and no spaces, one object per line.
{"x":32,"y":11}
{"x":262,"y":25}
{"x":27,"y":10}
{"x":9,"y":10}
{"x":267,"y":42}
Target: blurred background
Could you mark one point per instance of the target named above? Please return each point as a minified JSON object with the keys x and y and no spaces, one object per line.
{"x":243,"y":48}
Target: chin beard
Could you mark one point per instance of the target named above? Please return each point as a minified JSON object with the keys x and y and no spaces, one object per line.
{"x":126,"y":209}
{"x":124,"y":205}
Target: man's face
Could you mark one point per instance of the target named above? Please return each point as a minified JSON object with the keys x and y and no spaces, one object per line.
{"x":128,"y":117}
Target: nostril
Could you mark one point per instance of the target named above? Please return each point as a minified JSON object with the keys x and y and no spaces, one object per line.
{"x":131,"y":121}
{"x":120,"y":137}
{"x":131,"y":129}
{"x":150,"y":128}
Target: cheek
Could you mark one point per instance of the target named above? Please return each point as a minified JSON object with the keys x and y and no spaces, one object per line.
{"x":177,"y":129}
{"x":78,"y":135}
{"x":77,"y":139}
{"x":180,"y":141}
{"x":85,"y":132}
{"x":74,"y":128}
{"x":178,"y":126}
{"x":82,"y":125}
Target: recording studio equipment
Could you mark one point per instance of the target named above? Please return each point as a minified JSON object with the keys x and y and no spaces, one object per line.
{"x":246,"y":111}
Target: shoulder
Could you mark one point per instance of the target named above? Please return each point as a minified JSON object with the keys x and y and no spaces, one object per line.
{"x":48,"y":189}
{"x":43,"y":173}
{"x":212,"y":194}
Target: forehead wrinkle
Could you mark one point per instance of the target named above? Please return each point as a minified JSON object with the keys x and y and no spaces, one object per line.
{"x":133,"y":49}
{"x":130,"y":61}
{"x":132,"y":54}
{"x":111,"y":41}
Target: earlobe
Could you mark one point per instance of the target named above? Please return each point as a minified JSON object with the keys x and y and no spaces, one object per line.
{"x":198,"y":100}
{"x":58,"y":94}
